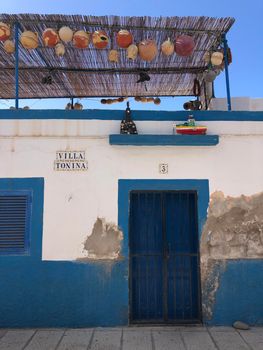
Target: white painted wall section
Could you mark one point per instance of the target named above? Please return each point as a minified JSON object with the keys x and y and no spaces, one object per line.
{"x":74,"y":200}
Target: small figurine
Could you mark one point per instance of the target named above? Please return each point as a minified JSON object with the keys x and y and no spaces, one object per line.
{"x":127,"y":125}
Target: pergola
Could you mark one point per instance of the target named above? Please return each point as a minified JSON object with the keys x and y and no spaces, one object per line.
{"x":88,"y":72}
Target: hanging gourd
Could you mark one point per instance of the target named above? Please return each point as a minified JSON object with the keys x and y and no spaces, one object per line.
{"x":124,"y":38}
{"x":100,"y":39}
{"x":147,"y":50}
{"x":81,"y":39}
{"x":5,"y":31}
{"x":9,"y":46}
{"x":114,"y":56}
{"x":207,"y":57}
{"x":60,"y":49}
{"x":184,"y":45}
{"x":78,"y":106}
{"x":157,"y":101}
{"x":217,"y":58}
{"x":132,"y":52}
{"x":50,"y":37}
{"x":167,"y":47}
{"x":29,"y":40}
{"x":65,"y":34}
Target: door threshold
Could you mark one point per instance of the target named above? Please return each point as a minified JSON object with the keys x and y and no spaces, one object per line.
{"x":172,"y":324}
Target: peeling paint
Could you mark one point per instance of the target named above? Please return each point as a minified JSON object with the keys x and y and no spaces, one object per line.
{"x":233,"y":230}
{"x":211,"y":273}
{"x":234,"y":227}
{"x":104,"y":243}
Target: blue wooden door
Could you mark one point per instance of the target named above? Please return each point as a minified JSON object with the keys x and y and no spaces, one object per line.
{"x":164,"y":259}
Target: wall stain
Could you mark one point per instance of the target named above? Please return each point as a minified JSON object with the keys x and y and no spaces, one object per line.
{"x":104,"y":243}
{"x":233,"y":230}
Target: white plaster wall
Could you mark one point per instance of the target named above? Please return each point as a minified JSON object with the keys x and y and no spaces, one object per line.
{"x":237,"y":104}
{"x":74,"y":200}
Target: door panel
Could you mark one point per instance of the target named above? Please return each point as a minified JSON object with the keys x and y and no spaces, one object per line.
{"x":164,"y":260}
{"x":146,"y":254}
{"x":147,"y":289}
{"x":182,"y":252}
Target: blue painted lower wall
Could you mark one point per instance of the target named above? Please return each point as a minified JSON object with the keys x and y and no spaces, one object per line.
{"x":35,"y":293}
{"x":63,"y":294}
{"x":240,"y":293}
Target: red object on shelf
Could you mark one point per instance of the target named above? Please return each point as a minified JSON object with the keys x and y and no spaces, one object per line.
{"x":191,"y":131}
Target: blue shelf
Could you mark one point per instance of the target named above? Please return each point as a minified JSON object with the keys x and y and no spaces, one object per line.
{"x":163,"y":140}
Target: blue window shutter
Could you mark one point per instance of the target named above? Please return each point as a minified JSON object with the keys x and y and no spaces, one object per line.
{"x":15,"y":215}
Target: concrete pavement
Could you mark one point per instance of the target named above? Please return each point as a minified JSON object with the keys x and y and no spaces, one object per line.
{"x":132,"y":338}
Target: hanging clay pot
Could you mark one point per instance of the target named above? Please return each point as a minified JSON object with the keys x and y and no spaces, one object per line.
{"x":50,"y":37}
{"x":147,"y":50}
{"x":157,"y":101}
{"x":29,"y":40}
{"x":81,"y":39}
{"x":78,"y":106}
{"x":60,"y":49}
{"x":65,"y":34}
{"x":124,"y":38}
{"x":217,"y":58}
{"x":100,"y":39}
{"x":114,"y":56}
{"x":69,"y":106}
{"x":132,"y":52}
{"x":184,"y":45}
{"x":167,"y":47}
{"x":9,"y":46}
{"x":5,"y":31}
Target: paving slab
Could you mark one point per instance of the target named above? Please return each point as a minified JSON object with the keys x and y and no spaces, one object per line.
{"x":106,"y":340}
{"x":137,"y":340}
{"x":133,"y":338}
{"x":229,"y":341}
{"x":198,"y":340}
{"x":221,"y":329}
{"x":2,"y":332}
{"x":253,"y":337}
{"x":16,"y":339}
{"x":76,"y":339}
{"x":192,"y":328}
{"x":45,"y":340}
{"x":167,"y":340}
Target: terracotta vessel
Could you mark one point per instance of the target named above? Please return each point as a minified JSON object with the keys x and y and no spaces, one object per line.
{"x":124,"y":39}
{"x":184,"y":45}
{"x":100,"y":39}
{"x":50,"y":37}
{"x":81,"y":39}
{"x":147,"y":50}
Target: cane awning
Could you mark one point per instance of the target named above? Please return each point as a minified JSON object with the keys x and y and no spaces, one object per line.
{"x":88,"y":72}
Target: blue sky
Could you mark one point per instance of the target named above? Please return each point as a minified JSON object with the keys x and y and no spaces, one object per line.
{"x":245,"y":38}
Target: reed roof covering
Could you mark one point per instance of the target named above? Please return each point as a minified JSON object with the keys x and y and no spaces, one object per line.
{"x":88,"y":72}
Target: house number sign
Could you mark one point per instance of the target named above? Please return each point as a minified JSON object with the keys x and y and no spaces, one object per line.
{"x":163,"y":168}
{"x":70,"y":161}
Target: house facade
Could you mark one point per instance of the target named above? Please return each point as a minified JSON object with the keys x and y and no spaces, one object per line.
{"x":102,"y":229}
